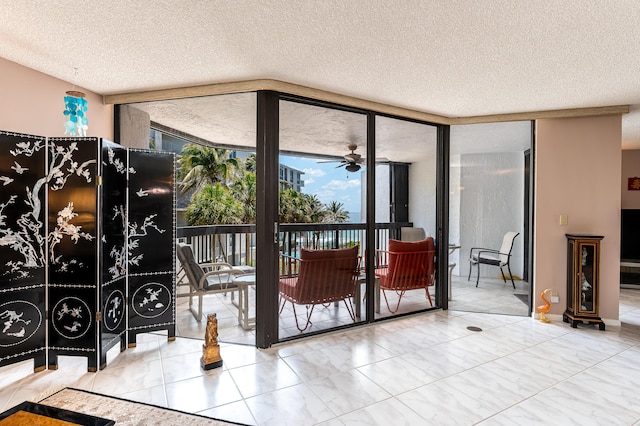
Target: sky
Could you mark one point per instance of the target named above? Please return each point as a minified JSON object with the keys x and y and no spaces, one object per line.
{"x":327,"y":182}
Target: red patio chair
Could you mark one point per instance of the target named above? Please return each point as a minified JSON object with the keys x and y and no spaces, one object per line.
{"x":324,"y":276}
{"x":407,"y":265}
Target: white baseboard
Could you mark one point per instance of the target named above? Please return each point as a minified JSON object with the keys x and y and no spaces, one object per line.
{"x":558,"y":318}
{"x":552,"y":317}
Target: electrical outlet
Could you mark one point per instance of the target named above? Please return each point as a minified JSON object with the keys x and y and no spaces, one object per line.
{"x":554,"y":297}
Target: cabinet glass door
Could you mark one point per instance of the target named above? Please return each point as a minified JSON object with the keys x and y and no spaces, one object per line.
{"x":571,"y":268}
{"x":586,"y":278}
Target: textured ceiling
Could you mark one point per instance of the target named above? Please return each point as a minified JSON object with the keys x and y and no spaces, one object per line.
{"x":448,"y":57}
{"x":321,"y":132}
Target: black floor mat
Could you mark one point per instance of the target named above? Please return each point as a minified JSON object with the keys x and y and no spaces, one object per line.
{"x":524,"y":298}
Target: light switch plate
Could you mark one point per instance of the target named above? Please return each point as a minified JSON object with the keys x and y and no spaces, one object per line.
{"x":564,"y":220}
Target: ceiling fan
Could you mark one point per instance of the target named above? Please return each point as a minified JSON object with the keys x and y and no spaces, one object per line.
{"x":351,"y":162}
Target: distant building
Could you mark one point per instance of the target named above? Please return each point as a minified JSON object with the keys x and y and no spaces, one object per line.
{"x":291,"y":178}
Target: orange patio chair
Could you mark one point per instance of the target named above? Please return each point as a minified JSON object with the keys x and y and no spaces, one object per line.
{"x":323,"y":276}
{"x":407,"y":265}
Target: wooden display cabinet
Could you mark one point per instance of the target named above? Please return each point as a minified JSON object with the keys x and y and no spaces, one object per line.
{"x":583,"y":280}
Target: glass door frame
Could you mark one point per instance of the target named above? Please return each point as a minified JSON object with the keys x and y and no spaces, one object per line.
{"x":267,"y":220}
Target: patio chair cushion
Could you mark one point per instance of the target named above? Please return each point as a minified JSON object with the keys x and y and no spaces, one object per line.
{"x":409,"y":266}
{"x":208,"y":278}
{"x":397,"y":246}
{"x":193,"y":270}
{"x":410,"y":269}
{"x":308,"y":254}
{"x":321,"y":272}
{"x":220,"y":281}
{"x":324,"y":276}
{"x":412,"y":234}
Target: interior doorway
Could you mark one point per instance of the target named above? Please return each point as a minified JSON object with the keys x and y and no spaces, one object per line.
{"x":490,"y":173}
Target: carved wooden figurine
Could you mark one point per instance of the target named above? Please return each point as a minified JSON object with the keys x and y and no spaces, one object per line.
{"x":211,"y":350}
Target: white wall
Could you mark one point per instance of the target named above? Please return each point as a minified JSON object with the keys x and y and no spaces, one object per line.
{"x":382,"y":195}
{"x":491,"y":204}
{"x":422,"y":195}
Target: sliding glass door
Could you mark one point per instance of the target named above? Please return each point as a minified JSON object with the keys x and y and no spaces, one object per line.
{"x":322,"y":232}
{"x":405,"y":216}
{"x":296,"y":181}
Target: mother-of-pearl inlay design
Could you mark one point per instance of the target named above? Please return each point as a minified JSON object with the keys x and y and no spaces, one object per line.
{"x":151,"y":300}
{"x":23,"y":234}
{"x":20,"y":320}
{"x":114,"y":310}
{"x":71,"y":317}
{"x":61,"y":167}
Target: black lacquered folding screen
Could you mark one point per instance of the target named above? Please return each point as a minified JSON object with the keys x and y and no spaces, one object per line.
{"x":113,"y":265}
{"x":151,"y":243}
{"x":73,"y":249}
{"x":71,"y":245}
{"x":22,"y":249}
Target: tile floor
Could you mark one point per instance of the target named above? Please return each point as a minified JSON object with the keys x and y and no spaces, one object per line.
{"x":424,"y":369}
{"x":491,"y":296}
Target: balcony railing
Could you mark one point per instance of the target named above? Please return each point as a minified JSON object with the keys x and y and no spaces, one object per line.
{"x":235,"y":244}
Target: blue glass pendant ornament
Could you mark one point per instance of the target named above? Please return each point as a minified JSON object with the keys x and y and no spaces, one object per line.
{"x":75,"y":109}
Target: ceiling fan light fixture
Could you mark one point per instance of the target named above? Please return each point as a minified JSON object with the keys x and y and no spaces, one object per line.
{"x":353,"y":167}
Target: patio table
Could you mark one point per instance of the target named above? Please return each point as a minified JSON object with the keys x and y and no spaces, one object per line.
{"x":362,"y":279}
{"x":244,"y":282}
{"x":452,"y":249}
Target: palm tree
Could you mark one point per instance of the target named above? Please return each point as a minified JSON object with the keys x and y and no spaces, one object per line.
{"x":214,"y":205}
{"x":293,"y":207}
{"x":316,"y":215}
{"x":244,"y":189}
{"x":335,"y":213}
{"x":250,"y":163}
{"x":200,"y":165}
{"x":315,"y":208}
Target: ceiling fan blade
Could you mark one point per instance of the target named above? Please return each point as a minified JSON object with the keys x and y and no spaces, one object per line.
{"x":353,"y":158}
